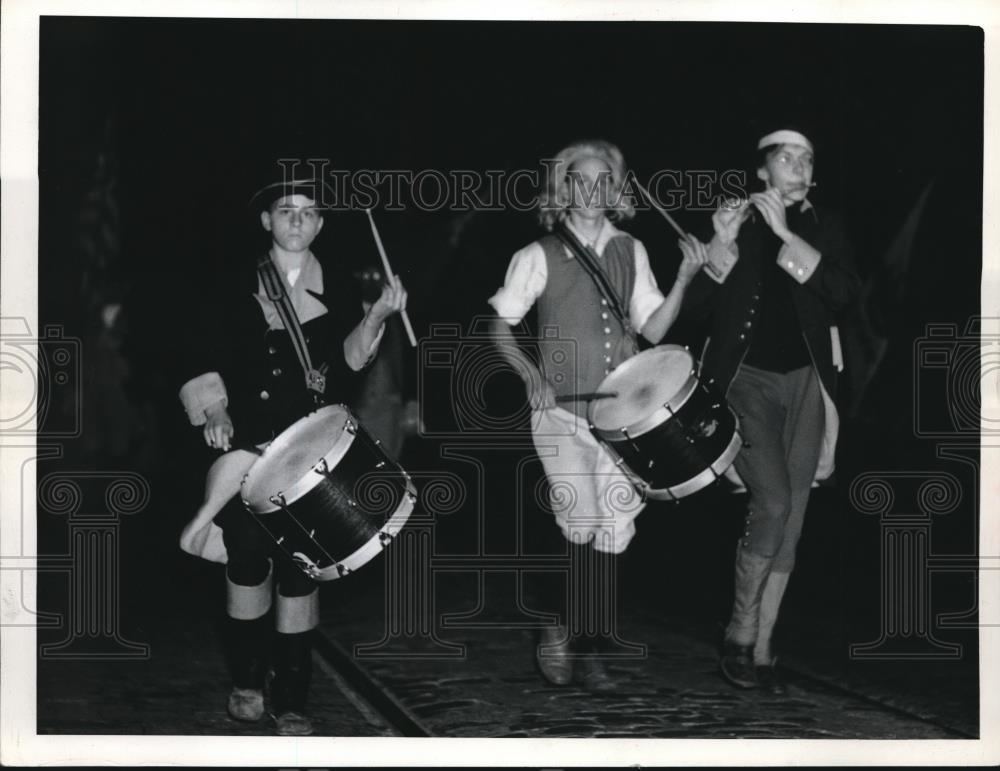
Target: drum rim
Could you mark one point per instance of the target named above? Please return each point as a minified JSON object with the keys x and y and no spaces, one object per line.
{"x":311,"y":478}
{"x":660,"y":414}
{"x":367,"y":551}
{"x":704,"y":477}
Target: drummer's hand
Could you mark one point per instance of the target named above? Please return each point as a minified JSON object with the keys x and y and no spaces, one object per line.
{"x":695,"y":256}
{"x":540,"y":394}
{"x":728,"y":218}
{"x":392,"y":300}
{"x":218,"y":427}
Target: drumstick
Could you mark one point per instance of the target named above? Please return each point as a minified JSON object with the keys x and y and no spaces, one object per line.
{"x":390,"y":274}
{"x":661,"y":210}
{"x":587,"y":397}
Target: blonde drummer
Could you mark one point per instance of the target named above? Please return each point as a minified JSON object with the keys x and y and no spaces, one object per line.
{"x":591,"y":305}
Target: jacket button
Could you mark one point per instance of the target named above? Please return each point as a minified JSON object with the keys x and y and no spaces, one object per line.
{"x":791,"y":264}
{"x":265,"y":395}
{"x":607,"y":330}
{"x":276,"y":371}
{"x":272,"y":350}
{"x":307,"y":339}
{"x":742,"y":336}
{"x":604,"y":315}
{"x":607,"y":345}
{"x":756,"y":297}
{"x":753,"y":311}
{"x":748,"y":324}
{"x":800,"y":272}
{"x":603,"y":301}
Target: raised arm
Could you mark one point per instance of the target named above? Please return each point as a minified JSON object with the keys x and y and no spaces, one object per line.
{"x":362,"y":343}
{"x":660,"y":321}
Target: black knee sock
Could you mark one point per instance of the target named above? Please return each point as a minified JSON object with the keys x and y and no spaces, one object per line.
{"x":247,"y":643}
{"x":292,"y":671}
{"x":595,"y":579}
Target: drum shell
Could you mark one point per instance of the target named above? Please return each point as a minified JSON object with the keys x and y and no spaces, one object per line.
{"x":348,"y":514}
{"x":695,"y":437}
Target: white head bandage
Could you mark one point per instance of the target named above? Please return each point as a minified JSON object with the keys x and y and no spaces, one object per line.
{"x":784,"y":137}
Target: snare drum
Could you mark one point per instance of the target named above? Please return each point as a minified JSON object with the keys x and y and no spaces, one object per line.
{"x":672,"y":432}
{"x":328,"y":494}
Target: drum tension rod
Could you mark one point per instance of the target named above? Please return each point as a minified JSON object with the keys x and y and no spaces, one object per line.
{"x":321,"y":467}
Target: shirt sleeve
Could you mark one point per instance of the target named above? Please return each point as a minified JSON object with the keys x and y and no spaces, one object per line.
{"x":646,"y":295}
{"x":201,"y":392}
{"x":525,"y":281}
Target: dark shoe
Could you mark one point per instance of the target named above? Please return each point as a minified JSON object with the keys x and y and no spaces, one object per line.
{"x":737,"y":665}
{"x":553,"y":655}
{"x":293,"y":724}
{"x":770,"y":681}
{"x":594,"y":677}
{"x":246,"y":704}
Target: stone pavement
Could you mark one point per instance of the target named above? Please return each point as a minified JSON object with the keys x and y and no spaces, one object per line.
{"x":493,"y":690}
{"x":483,"y":682}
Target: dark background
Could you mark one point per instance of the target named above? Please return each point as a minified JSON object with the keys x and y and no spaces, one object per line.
{"x":154,"y":134}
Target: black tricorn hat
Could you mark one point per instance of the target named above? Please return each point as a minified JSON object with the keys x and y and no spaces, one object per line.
{"x":319,"y":191}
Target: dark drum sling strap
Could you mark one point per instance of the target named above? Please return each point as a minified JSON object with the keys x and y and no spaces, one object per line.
{"x":315,"y":380}
{"x":589,"y":261}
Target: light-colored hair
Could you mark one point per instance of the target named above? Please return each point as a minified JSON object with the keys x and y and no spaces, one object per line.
{"x":554,"y":198}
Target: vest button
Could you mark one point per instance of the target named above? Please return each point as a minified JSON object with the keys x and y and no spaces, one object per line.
{"x":272,"y":350}
{"x":607,"y":330}
{"x":265,"y":395}
{"x":742,"y":336}
{"x":603,"y":301}
{"x":276,"y":371}
{"x":604,"y":315}
{"x":607,"y":345}
{"x":791,"y":264}
{"x":747,"y":324}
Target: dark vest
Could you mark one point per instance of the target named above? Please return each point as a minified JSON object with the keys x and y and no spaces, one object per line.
{"x":580,"y":340}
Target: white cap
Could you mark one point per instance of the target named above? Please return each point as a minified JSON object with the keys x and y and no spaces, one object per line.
{"x":784,"y":137}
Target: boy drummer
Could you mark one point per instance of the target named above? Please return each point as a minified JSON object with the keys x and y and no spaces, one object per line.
{"x":245,"y":384}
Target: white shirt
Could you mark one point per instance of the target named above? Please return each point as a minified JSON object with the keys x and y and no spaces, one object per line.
{"x":528,"y":273}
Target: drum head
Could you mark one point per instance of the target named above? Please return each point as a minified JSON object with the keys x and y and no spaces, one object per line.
{"x":644,"y":384}
{"x":294,"y":453}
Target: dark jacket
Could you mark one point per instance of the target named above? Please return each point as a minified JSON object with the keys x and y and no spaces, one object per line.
{"x":264,"y":380}
{"x":733,"y":307}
